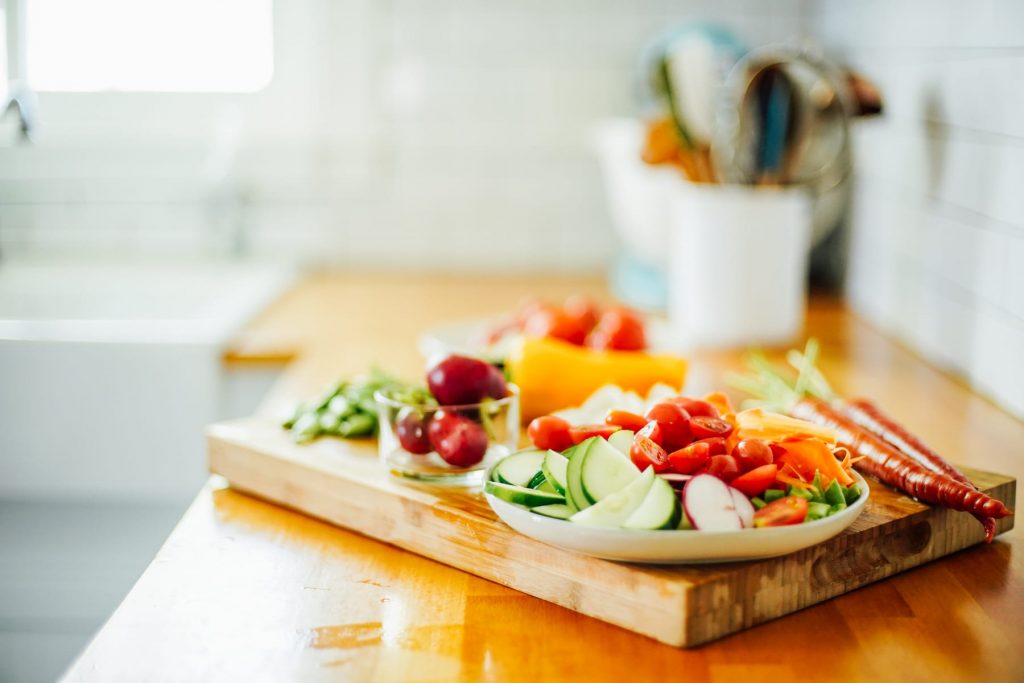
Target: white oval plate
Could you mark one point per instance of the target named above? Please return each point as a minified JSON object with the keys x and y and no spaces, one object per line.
{"x":468,"y":337}
{"x":677,"y":547}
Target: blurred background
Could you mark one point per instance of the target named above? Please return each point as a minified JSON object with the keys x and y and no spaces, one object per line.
{"x":167,"y":169}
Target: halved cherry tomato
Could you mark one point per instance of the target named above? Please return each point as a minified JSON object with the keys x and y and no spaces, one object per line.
{"x":690,"y":459}
{"x":756,"y":481}
{"x":551,"y":432}
{"x":674,"y":423}
{"x":620,"y":330}
{"x":752,"y":453}
{"x":646,"y":453}
{"x":581,"y":433}
{"x":556,"y":324}
{"x":722,"y":466}
{"x":653,"y":432}
{"x":704,"y":427}
{"x":782,"y":512}
{"x":626,"y":420}
{"x":695,"y":407}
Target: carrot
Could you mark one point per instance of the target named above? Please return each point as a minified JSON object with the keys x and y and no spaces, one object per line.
{"x":869,"y":416}
{"x":720,"y":401}
{"x":758,"y":423}
{"x":886,"y":463}
{"x":810,"y":456}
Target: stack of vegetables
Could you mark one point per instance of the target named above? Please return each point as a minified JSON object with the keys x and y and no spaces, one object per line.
{"x":880,"y":446}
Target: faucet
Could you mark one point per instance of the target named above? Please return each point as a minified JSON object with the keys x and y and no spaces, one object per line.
{"x":23,"y":101}
{"x":15,"y":92}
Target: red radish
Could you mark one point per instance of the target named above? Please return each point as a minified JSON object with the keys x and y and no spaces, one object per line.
{"x":744,"y":508}
{"x":709,"y":505}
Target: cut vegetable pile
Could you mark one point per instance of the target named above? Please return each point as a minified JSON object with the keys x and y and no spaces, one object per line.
{"x":717,"y":477}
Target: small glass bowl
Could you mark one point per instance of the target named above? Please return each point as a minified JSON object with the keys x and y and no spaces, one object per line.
{"x":496,"y":419}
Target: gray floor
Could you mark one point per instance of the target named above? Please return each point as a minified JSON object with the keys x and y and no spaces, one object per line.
{"x":64,"y":567}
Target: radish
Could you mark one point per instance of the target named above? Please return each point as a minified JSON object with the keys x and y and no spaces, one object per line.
{"x":709,"y":504}
{"x":743,"y":507}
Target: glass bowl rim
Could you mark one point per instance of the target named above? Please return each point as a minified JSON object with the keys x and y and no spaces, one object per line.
{"x":513,"y":395}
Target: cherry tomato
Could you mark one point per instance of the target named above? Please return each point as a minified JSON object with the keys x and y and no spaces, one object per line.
{"x":646,"y":453}
{"x":690,"y":459}
{"x":674,"y":423}
{"x":581,"y":433}
{"x":717,"y":446}
{"x":626,"y":420}
{"x":756,"y":481}
{"x":695,"y":407}
{"x":550,"y":432}
{"x":704,"y":427}
{"x":556,"y":324}
{"x":653,"y":432}
{"x":581,"y":310}
{"x":752,"y":453}
{"x":724,"y":467}
{"x":782,"y":512}
{"x":618,"y":330}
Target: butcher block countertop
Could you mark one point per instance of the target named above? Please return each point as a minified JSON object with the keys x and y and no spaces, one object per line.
{"x":246,"y":590}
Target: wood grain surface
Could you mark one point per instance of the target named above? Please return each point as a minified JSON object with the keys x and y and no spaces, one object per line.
{"x":248,"y":590}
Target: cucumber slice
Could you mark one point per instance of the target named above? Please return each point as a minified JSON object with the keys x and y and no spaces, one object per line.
{"x":522,"y":496}
{"x":520,"y":468}
{"x":615,"y":508}
{"x":605,"y":470}
{"x":554,"y":468}
{"x":556,"y":510}
{"x":537,"y":481}
{"x":622,"y":440}
{"x":659,"y":509}
{"x":546,"y":486}
{"x":574,"y":474}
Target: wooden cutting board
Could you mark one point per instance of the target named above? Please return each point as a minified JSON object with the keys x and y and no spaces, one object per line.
{"x":342,"y":482}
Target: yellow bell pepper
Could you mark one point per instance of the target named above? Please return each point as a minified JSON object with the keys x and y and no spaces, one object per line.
{"x":553,"y":374}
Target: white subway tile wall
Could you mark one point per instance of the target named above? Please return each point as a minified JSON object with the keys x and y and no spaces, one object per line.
{"x":937,"y":247}
{"x":404,"y":133}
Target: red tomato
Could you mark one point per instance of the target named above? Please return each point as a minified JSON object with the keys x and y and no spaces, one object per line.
{"x":618,"y":330}
{"x":695,"y":406}
{"x":782,"y":512}
{"x":625,"y":419}
{"x":550,"y":432}
{"x":556,"y":324}
{"x":716,"y":446}
{"x":756,"y":481}
{"x":704,"y":427}
{"x":690,"y":459}
{"x":581,"y":310}
{"x":646,"y":453}
{"x":581,"y":433}
{"x":723,"y":466}
{"x":653,"y":432}
{"x":752,"y":453}
{"x":674,"y":423}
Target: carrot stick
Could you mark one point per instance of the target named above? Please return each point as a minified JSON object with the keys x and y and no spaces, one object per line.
{"x":887,"y":464}
{"x":869,"y":416}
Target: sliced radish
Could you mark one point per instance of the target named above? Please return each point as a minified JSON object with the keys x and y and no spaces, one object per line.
{"x":743,"y":507}
{"x":676,"y":481}
{"x":709,"y":504}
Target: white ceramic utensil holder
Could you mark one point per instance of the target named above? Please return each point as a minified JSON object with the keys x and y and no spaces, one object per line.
{"x":738,"y":264}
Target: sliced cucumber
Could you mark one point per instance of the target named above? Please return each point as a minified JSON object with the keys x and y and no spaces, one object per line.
{"x":554,"y":468}
{"x":520,"y":468}
{"x":556,"y":510}
{"x":537,"y":481}
{"x":615,"y":508}
{"x":522,"y":496}
{"x":660,"y":508}
{"x":622,"y":440}
{"x":573,"y":474}
{"x":605,"y":470}
{"x":546,"y":486}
